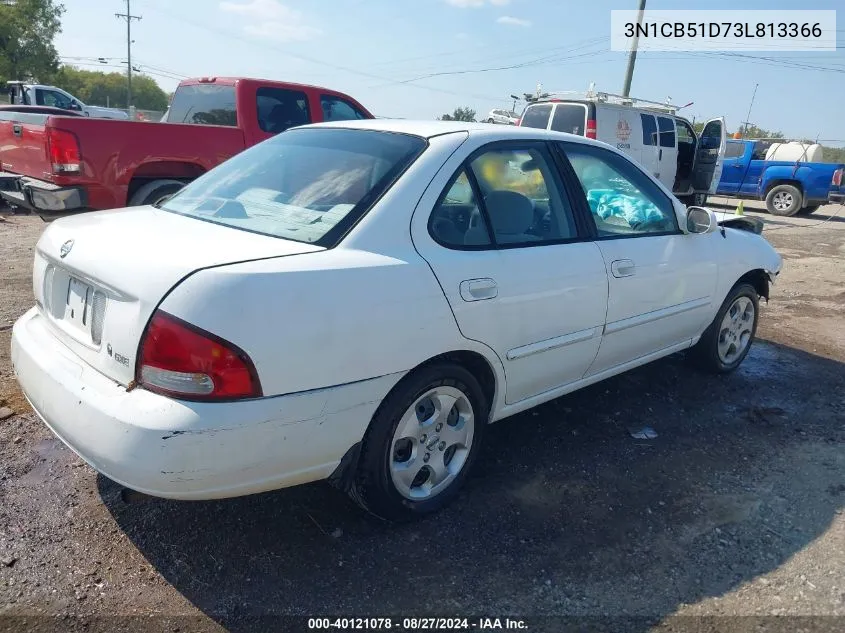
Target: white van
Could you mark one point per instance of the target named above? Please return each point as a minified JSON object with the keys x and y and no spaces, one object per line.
{"x":649,"y":132}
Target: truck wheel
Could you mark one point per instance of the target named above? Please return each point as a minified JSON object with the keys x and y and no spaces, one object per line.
{"x":155,"y":191}
{"x":784,"y":200}
{"x":809,"y":209}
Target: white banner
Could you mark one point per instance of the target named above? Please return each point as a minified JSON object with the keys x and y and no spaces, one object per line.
{"x":724,"y":30}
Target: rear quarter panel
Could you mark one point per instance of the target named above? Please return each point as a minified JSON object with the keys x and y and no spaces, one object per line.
{"x":814,"y":178}
{"x":114,"y":152}
{"x":369,"y":307}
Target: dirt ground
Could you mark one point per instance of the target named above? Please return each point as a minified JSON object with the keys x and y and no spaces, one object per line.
{"x":733,"y":514}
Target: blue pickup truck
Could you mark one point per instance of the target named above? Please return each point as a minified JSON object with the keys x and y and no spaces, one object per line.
{"x":788,"y":187}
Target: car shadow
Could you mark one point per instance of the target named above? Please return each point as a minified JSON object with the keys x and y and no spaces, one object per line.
{"x":566,"y":514}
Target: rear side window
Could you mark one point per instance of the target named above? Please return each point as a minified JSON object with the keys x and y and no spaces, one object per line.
{"x":734,"y":150}
{"x":649,"y":129}
{"x":761,"y":148}
{"x":207,"y":104}
{"x":280,"y":109}
{"x":685,"y":133}
{"x":337,"y":109}
{"x":570,"y":118}
{"x":667,"y":131}
{"x":537,"y":116}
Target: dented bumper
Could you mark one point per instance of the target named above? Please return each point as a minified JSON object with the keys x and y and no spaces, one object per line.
{"x":187,"y":450}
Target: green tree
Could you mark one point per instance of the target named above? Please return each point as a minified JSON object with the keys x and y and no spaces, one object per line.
{"x":27,"y":31}
{"x":757,"y":132}
{"x":833,"y":154}
{"x":99,"y":88}
{"x":460,"y":114}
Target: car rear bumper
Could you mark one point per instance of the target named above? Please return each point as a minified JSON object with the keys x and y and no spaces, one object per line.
{"x":836,"y":197}
{"x":187,"y":450}
{"x":40,"y":196}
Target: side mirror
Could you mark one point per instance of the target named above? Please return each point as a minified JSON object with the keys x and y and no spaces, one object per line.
{"x":699,"y":220}
{"x":75,"y":106}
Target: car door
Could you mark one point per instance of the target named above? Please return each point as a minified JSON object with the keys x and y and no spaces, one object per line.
{"x":733,"y":168}
{"x":667,"y":151}
{"x":649,"y":158}
{"x":521,"y":276}
{"x":661,"y":281}
{"x":710,"y":156}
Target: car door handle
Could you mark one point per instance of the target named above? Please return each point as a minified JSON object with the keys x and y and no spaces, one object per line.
{"x":17,"y":130}
{"x":622,"y":268}
{"x":736,"y":166}
{"x":478,"y":289}
{"x":660,"y":156}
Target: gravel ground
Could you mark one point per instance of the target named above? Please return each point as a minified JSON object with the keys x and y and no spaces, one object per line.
{"x":734,"y":510}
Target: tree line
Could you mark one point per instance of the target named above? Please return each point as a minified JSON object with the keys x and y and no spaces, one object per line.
{"x":28,"y":29}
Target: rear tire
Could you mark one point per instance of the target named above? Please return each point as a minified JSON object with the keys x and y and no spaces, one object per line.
{"x":727,"y":340}
{"x":784,"y":200}
{"x":154,"y":192}
{"x":421,"y":443}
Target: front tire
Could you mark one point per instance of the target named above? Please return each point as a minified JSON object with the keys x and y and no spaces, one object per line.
{"x":784,"y":200}
{"x":727,"y":340}
{"x":490,"y":120}
{"x":421,"y":443}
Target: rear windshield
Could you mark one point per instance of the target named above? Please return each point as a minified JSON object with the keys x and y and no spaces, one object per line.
{"x":537,"y":116}
{"x":570,"y":118}
{"x":307,"y":185}
{"x":208,"y":104}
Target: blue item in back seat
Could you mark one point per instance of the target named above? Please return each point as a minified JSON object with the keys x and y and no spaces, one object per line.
{"x":635,"y":210}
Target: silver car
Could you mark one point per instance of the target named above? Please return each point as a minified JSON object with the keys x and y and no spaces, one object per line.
{"x":503,"y":117}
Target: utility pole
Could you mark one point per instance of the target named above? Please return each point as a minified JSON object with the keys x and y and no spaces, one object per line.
{"x":128,"y":17}
{"x":632,"y":56}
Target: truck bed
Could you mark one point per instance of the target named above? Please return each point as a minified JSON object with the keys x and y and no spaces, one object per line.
{"x":114,"y":154}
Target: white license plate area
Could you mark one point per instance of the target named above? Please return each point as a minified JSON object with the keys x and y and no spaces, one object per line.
{"x":78,"y":308}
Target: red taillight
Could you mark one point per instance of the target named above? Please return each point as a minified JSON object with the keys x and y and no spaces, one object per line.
{"x":837,"y":177}
{"x":63,"y":149}
{"x":591,"y":129}
{"x":180,"y":360}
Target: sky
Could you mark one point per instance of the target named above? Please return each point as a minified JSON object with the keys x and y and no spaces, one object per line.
{"x":391,"y":54}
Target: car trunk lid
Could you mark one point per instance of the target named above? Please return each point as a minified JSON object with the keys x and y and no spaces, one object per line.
{"x":98,"y":277}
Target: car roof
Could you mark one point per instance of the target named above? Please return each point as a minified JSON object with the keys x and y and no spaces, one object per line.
{"x":429,"y":129}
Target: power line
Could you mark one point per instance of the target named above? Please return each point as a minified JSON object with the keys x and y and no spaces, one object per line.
{"x":534,"y":62}
{"x":319,"y":62}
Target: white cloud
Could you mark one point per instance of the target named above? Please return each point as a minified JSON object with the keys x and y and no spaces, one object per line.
{"x":272,"y":20}
{"x":465,"y":4}
{"x":511,"y":21}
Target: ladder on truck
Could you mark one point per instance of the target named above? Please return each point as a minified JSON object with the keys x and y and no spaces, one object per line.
{"x":603,"y":97}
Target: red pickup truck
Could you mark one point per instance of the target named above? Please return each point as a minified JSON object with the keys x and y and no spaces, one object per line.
{"x":55,"y":165}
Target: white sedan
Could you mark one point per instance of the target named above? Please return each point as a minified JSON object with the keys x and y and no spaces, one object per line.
{"x":358,"y":300}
